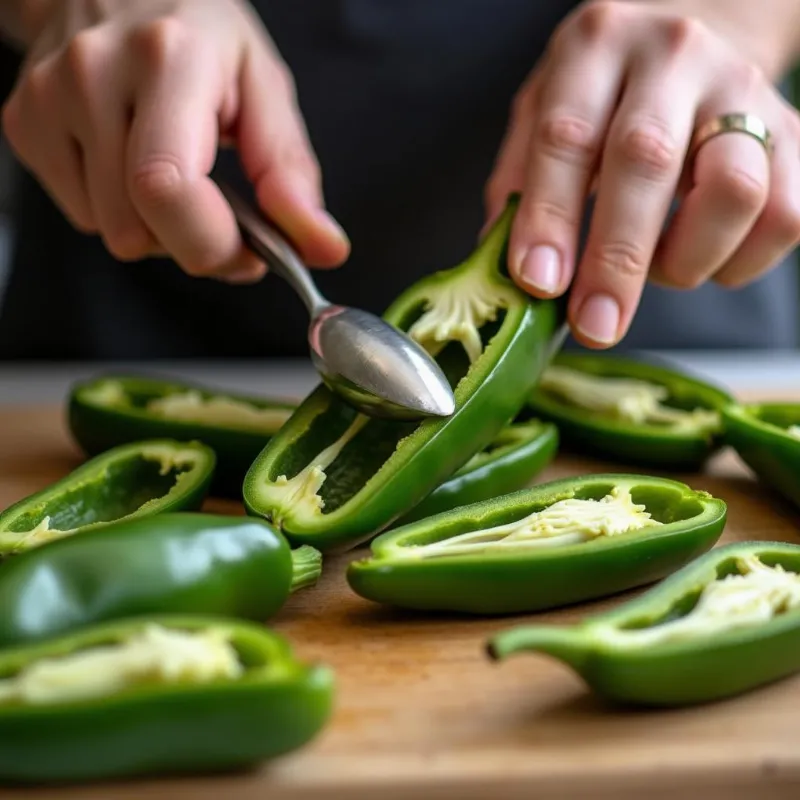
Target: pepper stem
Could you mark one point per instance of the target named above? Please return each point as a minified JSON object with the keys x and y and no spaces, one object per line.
{"x":565,"y":644}
{"x":306,"y":567}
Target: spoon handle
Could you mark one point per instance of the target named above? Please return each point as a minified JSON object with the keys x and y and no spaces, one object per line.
{"x":279,"y":255}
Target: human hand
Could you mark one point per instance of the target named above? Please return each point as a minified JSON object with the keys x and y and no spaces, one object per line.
{"x":611,"y":111}
{"x":119,"y":111}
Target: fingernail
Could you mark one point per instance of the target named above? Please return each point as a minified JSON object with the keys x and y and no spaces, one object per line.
{"x":599,"y":318}
{"x":540,"y":269}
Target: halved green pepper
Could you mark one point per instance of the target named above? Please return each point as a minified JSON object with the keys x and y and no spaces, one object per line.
{"x":766,"y":436}
{"x":630,"y":410}
{"x":110,"y":410}
{"x":727,"y":623}
{"x":510,"y":461}
{"x":162,"y":695}
{"x":332,"y":477}
{"x":171,"y":563}
{"x":556,"y":544}
{"x":130,"y":481}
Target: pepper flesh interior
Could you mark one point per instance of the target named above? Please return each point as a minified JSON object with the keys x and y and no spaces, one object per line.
{"x":629,"y":399}
{"x":167,"y":458}
{"x":457,"y":308}
{"x":565,"y":522}
{"x":298,"y":498}
{"x":753,"y":597}
{"x":153,"y":655}
{"x":191,"y":406}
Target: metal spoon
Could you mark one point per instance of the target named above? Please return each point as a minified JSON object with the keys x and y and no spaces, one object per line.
{"x":372,"y":365}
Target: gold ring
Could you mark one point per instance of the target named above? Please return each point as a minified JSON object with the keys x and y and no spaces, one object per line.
{"x":734,"y":123}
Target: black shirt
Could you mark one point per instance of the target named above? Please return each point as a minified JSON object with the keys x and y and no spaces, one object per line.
{"x":406,"y":102}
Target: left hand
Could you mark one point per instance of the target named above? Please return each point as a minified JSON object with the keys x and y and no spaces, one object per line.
{"x":613,"y":109}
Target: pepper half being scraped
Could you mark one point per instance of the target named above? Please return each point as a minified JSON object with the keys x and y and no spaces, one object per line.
{"x":555,"y":544}
{"x":766,"y":436}
{"x":126,"y":482}
{"x":726,"y":623}
{"x":162,"y":695}
{"x":332,"y":478}
{"x":110,"y":410}
{"x":509,"y":463}
{"x":629,"y":410}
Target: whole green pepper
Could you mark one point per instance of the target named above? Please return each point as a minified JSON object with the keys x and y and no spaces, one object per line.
{"x":110,"y":410}
{"x":171,"y":563}
{"x":725,"y":624}
{"x":162,"y":695}
{"x":553,"y":545}
{"x":631,"y":411}
{"x":512,"y":459}
{"x":127,"y":482}
{"x":766,"y":436}
{"x":332,"y":477}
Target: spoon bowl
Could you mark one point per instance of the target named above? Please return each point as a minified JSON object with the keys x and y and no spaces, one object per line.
{"x":370,"y":364}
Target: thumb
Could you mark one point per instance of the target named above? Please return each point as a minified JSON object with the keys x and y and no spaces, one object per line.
{"x":278,"y":159}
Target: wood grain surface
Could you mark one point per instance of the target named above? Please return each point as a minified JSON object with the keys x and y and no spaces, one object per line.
{"x":422,"y":713}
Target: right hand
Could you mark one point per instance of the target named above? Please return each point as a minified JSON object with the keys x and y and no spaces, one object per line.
{"x":120,"y":108}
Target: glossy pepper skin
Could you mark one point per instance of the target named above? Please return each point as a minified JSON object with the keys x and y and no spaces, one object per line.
{"x":281,"y":704}
{"x":110,"y":410}
{"x":131,"y":481}
{"x":172,"y":563}
{"x":514,"y":457}
{"x":388,"y":467}
{"x":647,"y":445}
{"x":527,"y":579}
{"x":676,"y":673}
{"x":759,"y":435}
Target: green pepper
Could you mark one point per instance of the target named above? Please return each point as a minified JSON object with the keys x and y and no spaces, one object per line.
{"x":110,"y":410}
{"x":726,"y":623}
{"x":631,"y":411}
{"x":510,"y":461}
{"x":332,"y":477}
{"x":162,"y":695}
{"x":766,"y":436}
{"x":555,"y":544}
{"x":130,"y":481}
{"x":172,"y":563}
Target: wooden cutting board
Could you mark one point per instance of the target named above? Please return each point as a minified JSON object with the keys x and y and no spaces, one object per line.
{"x":422,"y":713}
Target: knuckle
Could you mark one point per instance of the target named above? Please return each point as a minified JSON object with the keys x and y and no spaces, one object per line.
{"x":160,"y":40}
{"x":783,"y":216}
{"x":740,"y":189}
{"x":37,"y":82}
{"x":568,"y":138}
{"x":649,"y":149}
{"x":544,"y":213}
{"x":84,"y":58}
{"x":598,"y":19}
{"x":622,"y":259}
{"x":684,"y":34}
{"x":157,"y":181}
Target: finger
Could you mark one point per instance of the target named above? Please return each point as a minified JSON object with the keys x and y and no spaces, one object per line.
{"x":98,"y":102}
{"x":576,"y":101}
{"x":171,"y":150}
{"x":42,"y":142}
{"x":508,"y":173}
{"x":277,"y":157}
{"x":731,"y":186}
{"x":777,"y":231}
{"x":642,"y":163}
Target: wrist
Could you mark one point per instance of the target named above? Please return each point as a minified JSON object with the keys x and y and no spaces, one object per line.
{"x":766,"y":33}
